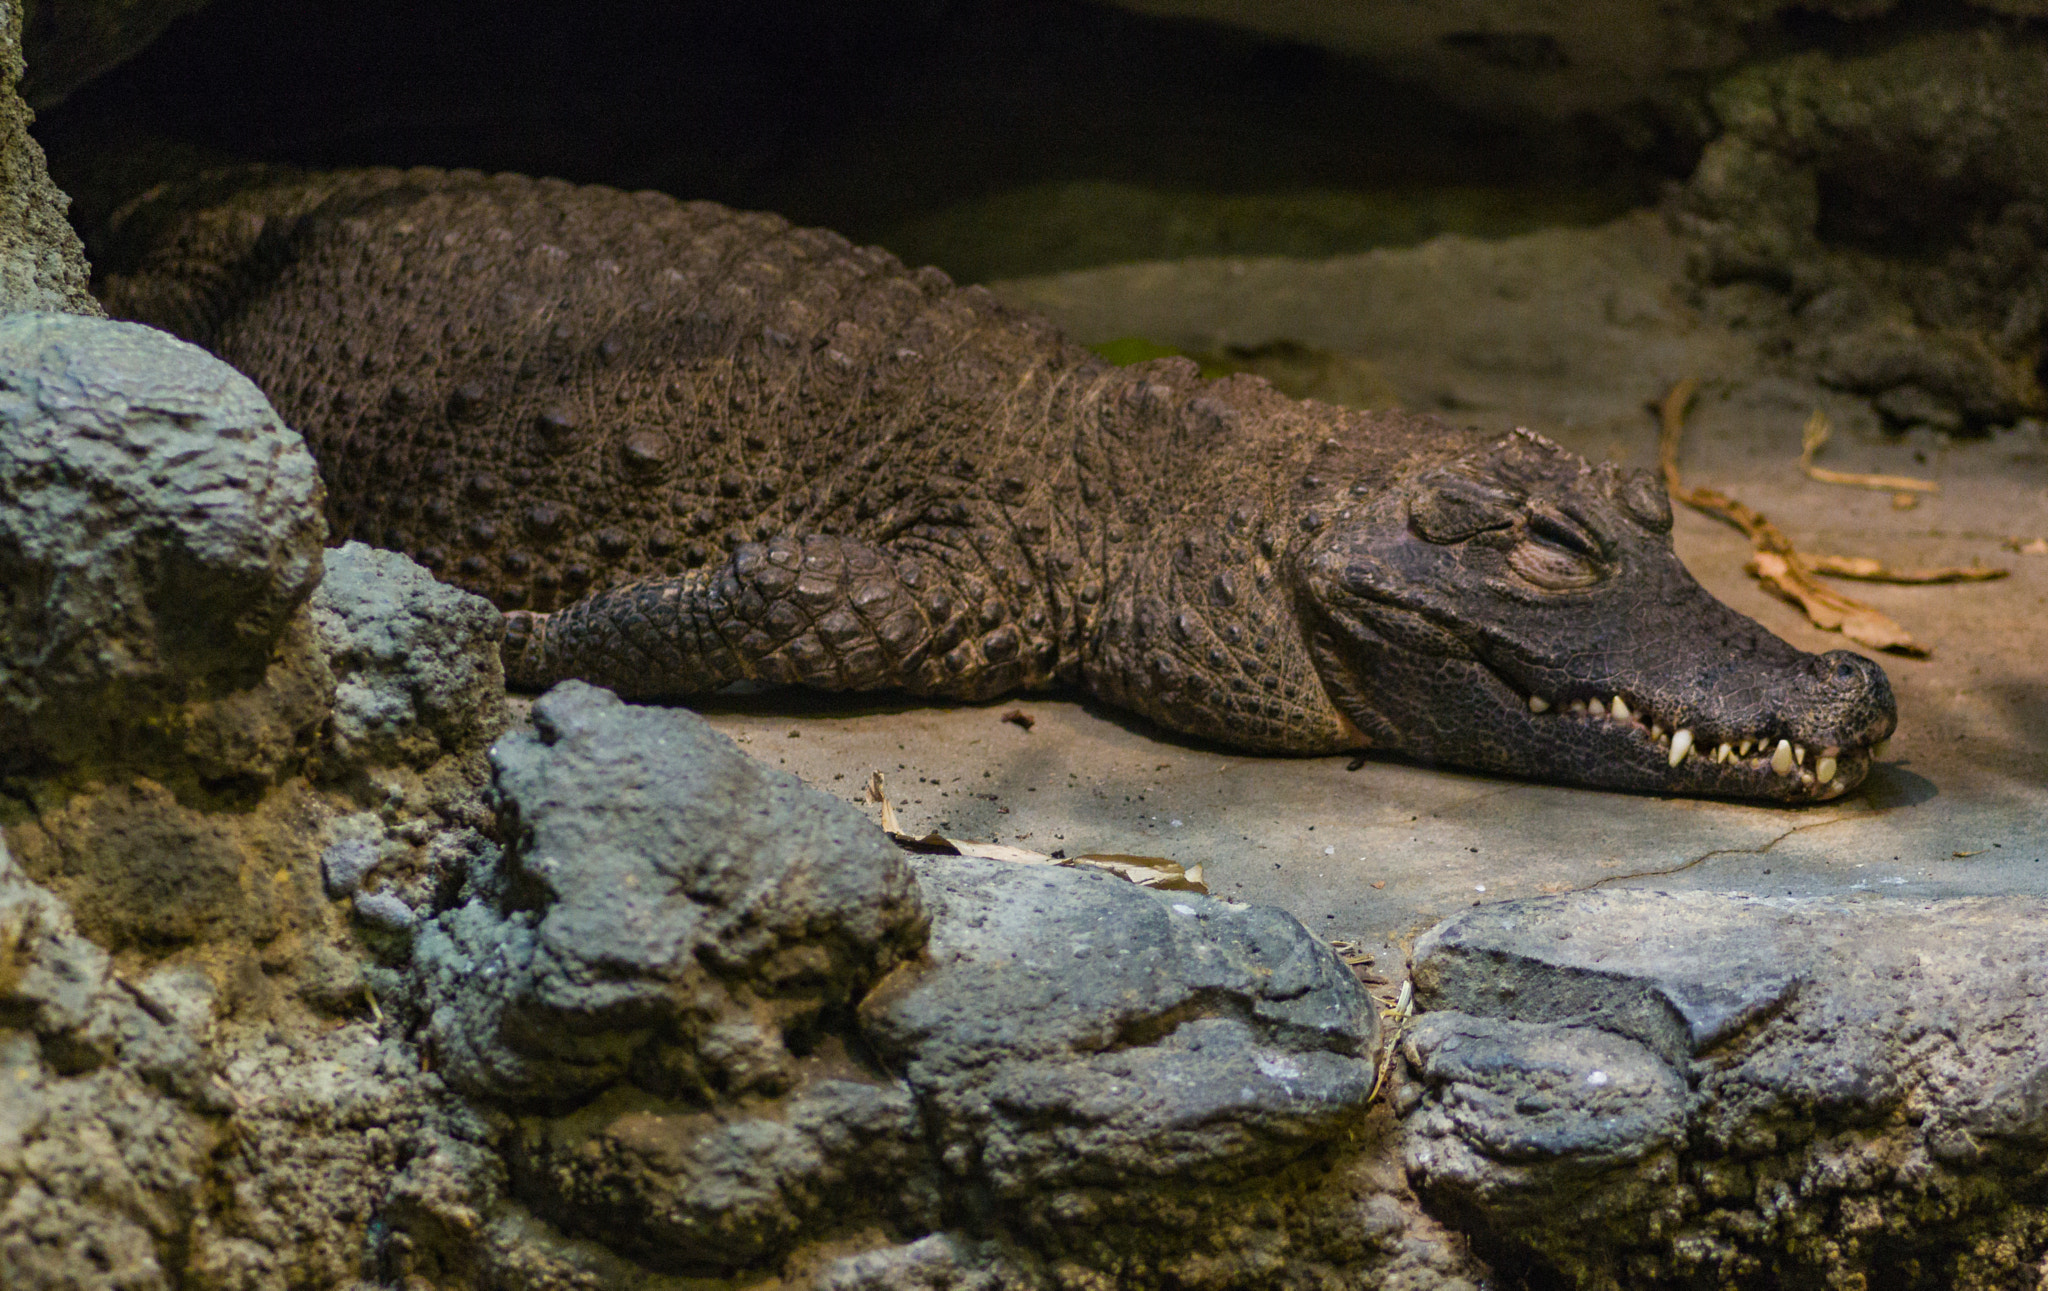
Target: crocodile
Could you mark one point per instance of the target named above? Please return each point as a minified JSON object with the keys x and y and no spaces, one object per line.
{"x":685,"y":447}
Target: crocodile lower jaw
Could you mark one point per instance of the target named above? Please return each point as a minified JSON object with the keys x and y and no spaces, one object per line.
{"x":1815,"y":770}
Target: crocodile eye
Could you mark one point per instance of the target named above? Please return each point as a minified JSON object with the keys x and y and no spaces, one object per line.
{"x":1643,"y":497}
{"x":1451,"y":508}
{"x":1553,"y":567}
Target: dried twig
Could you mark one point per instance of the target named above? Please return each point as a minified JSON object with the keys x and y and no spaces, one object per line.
{"x":1816,"y":434}
{"x":1870,"y":571}
{"x":1777,"y":564}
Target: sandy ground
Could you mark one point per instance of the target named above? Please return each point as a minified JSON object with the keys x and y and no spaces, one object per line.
{"x":1571,"y":333}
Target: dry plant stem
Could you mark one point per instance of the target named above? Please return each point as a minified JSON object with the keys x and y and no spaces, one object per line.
{"x":1870,"y":571}
{"x":1817,"y":432}
{"x":1777,"y":564}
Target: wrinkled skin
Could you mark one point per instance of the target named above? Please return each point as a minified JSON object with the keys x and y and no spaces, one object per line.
{"x":685,"y":447}
{"x":1442,"y":605}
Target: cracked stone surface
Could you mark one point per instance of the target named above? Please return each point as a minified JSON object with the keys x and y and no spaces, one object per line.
{"x":1639,"y":1086}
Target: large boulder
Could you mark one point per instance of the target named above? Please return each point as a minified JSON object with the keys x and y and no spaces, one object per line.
{"x":159,"y":529}
{"x":673,"y":914}
{"x":673,"y":941}
{"x":1637,"y":1087}
{"x":730,"y":1023}
{"x":1902,"y":197}
{"x":1067,"y":1029}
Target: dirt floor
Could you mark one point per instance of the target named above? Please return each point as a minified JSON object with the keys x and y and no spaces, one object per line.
{"x":1572,"y":333}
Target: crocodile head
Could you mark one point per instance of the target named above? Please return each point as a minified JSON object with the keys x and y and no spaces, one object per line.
{"x":1521,"y":611}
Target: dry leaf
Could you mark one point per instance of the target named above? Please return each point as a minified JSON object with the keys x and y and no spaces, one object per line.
{"x":1145,"y":871}
{"x":1816,"y":434}
{"x":1351,"y":952}
{"x":2028,"y":546}
{"x":1830,"y":610}
{"x":875,"y":794}
{"x":1019,"y":718}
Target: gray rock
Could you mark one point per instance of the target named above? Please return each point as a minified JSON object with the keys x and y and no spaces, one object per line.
{"x":1633,"y":1086}
{"x":42,"y":265}
{"x":1934,"y":148}
{"x":682,"y":910}
{"x":939,"y":1262}
{"x":687,"y":930}
{"x":158,"y":528}
{"x":1068,"y":1028}
{"x":415,"y":661}
{"x":102,"y":1147}
{"x":684,"y":1188}
{"x":346,"y":862}
{"x":385,"y":911}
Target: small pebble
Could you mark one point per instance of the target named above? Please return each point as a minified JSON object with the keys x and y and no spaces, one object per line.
{"x":383,"y":910}
{"x":344,"y":865}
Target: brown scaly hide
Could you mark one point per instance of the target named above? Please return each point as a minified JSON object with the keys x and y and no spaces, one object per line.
{"x":686,"y":447}
{"x":539,"y":391}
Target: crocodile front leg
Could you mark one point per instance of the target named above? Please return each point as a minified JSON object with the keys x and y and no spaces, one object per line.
{"x":830,"y":612}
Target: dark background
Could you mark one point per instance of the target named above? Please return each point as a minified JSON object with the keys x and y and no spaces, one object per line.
{"x":862,"y":116}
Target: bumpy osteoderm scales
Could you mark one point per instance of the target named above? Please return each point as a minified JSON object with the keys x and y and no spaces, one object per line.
{"x":685,"y":447}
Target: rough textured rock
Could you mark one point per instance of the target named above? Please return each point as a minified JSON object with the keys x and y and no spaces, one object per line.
{"x":1069,"y":1030}
{"x":1901,"y":197}
{"x":1107,"y":1068}
{"x":940,"y":1262}
{"x":104,"y":1137}
{"x":159,"y":527}
{"x":415,"y":661}
{"x":1634,"y":1087}
{"x":678,"y":913}
{"x":655,"y":988}
{"x":682,"y":932}
{"x":42,"y":265}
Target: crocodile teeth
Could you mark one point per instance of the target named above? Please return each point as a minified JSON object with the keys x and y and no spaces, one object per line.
{"x":1781,"y":759}
{"x":1799,"y":755}
{"x":1824,"y":770}
{"x":1578,"y":706}
{"x":1656,"y":731}
{"x":1723,"y":753}
{"x":1596,"y":708}
{"x":1681,"y":744}
{"x":1743,"y":749}
{"x":1538,"y":704}
{"x":1620,"y":709}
